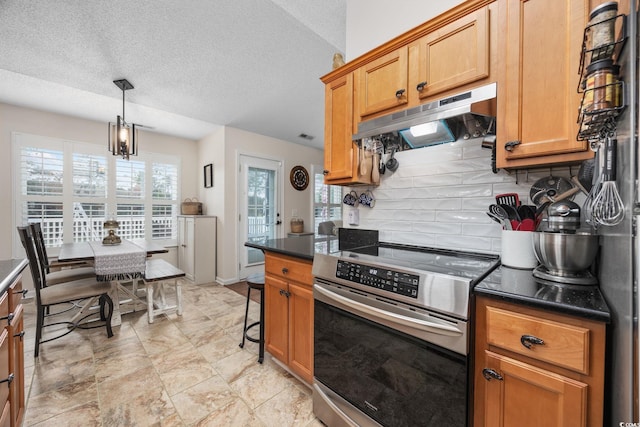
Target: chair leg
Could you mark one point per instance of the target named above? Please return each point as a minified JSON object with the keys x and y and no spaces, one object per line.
{"x":246,"y":314}
{"x":39,"y":325}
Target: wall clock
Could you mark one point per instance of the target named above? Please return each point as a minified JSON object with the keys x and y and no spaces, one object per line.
{"x":299,"y":178}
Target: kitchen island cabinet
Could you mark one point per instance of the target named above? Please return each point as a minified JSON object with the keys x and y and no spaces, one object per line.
{"x":289,"y":312}
{"x":535,"y":367}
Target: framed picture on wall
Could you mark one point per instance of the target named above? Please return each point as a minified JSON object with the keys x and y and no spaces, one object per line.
{"x":208,"y":175}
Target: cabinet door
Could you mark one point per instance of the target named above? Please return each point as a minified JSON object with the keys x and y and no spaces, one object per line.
{"x":382,"y":83}
{"x":529,"y":396}
{"x":186,"y":256}
{"x":301,"y":331}
{"x":339,"y":148}
{"x":16,"y":366}
{"x":4,"y":364}
{"x":276,"y":318}
{"x":453,"y":55}
{"x":537,"y":100}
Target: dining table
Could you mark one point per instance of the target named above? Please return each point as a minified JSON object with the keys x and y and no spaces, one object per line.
{"x":116,"y":271}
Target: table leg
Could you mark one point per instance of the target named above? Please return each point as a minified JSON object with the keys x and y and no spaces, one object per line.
{"x":116,"y":317}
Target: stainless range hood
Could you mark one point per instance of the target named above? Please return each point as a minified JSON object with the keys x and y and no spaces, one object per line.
{"x":467,"y":114}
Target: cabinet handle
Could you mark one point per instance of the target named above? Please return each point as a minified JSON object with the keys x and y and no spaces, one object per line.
{"x":285,"y":270}
{"x":8,"y":318}
{"x":23,"y":292}
{"x":400,"y":92}
{"x":529,"y":340}
{"x":325,"y":172}
{"x":284,"y":293}
{"x":509,"y":146}
{"x":490,"y":374}
{"x":8,"y":380}
{"x":421,"y":86}
{"x":20,"y":335}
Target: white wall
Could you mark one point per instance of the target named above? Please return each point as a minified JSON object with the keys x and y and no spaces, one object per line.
{"x":439,"y":197}
{"x":222,"y":150}
{"x":371,"y":23}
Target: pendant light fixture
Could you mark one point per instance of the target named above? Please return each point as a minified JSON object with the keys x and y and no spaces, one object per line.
{"x":123,"y":136}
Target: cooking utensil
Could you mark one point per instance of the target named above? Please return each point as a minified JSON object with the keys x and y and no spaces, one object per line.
{"x":375,"y":171}
{"x":392,"y":163}
{"x":608,"y":208}
{"x":549,"y":187}
{"x":585,"y":173}
{"x":565,"y":254}
{"x":504,"y":222}
{"x":527,"y":224}
{"x":508,"y":199}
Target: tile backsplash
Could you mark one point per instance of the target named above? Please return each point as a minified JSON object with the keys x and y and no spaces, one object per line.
{"x":439,"y":197}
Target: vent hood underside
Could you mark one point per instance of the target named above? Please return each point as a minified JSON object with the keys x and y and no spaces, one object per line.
{"x":469,"y":114}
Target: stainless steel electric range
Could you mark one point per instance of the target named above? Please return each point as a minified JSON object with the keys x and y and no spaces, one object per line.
{"x":391,"y":335}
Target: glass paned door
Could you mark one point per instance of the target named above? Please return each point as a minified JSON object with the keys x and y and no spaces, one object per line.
{"x":259,"y":208}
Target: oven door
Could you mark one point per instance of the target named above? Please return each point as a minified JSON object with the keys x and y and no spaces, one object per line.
{"x":373,"y":367}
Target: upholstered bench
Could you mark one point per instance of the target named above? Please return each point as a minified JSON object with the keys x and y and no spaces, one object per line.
{"x":159,"y":273}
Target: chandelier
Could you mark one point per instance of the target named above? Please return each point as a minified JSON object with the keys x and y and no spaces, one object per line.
{"x":123,"y":136}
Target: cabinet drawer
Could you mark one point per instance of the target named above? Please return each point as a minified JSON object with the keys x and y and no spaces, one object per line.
{"x":289,"y":268}
{"x":562,"y":344}
{"x":15,"y":295}
{"x":5,"y":418}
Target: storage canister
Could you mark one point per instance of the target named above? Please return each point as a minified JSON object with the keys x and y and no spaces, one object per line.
{"x":601,"y":90}
{"x":602,"y":26}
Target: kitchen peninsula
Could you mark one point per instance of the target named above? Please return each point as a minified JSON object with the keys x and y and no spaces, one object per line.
{"x":289,"y":299}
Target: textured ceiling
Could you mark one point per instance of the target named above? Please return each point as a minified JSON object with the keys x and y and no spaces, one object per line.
{"x":195,"y":64}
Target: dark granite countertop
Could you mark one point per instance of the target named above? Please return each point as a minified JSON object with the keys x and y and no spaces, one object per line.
{"x":520,"y":287}
{"x":9,"y":270}
{"x":304,"y":247}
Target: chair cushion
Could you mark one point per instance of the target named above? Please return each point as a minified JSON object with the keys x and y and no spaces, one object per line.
{"x":56,"y":277}
{"x":71,"y":291}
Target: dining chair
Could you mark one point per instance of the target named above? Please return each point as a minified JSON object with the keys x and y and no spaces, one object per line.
{"x":62,"y":293}
{"x":57,"y":272}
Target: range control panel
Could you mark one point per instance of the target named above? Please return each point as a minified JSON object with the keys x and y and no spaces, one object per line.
{"x":381,"y":278}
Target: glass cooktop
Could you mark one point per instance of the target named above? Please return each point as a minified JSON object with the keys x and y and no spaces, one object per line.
{"x":468,"y":265}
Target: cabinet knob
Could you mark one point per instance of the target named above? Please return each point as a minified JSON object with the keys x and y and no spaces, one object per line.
{"x":8,"y":318}
{"x":8,"y":380}
{"x":325,"y":172}
{"x":400,"y":92}
{"x":420,"y":86}
{"x":490,"y":374}
{"x":285,"y":270}
{"x":529,"y":340}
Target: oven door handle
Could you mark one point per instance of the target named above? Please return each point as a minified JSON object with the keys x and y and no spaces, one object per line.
{"x":389,"y":316}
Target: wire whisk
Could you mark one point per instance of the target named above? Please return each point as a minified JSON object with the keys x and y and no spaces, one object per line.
{"x":607,"y":207}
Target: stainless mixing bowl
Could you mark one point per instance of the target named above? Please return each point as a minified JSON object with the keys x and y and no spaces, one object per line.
{"x":565,"y":254}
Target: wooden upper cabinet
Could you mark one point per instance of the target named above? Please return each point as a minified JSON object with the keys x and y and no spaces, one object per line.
{"x":537,"y":90}
{"x":342,"y":163}
{"x":451,"y":56}
{"x":338,"y":152}
{"x":382,"y":83}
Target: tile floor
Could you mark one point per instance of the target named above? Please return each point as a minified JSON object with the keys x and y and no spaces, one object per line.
{"x":179,"y":371}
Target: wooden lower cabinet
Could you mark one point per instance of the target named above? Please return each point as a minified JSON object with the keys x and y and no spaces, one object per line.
{"x":289,"y":313}
{"x":533,"y":367}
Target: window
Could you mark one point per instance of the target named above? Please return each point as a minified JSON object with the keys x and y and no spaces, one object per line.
{"x":327,"y":200}
{"x":73,"y":187}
